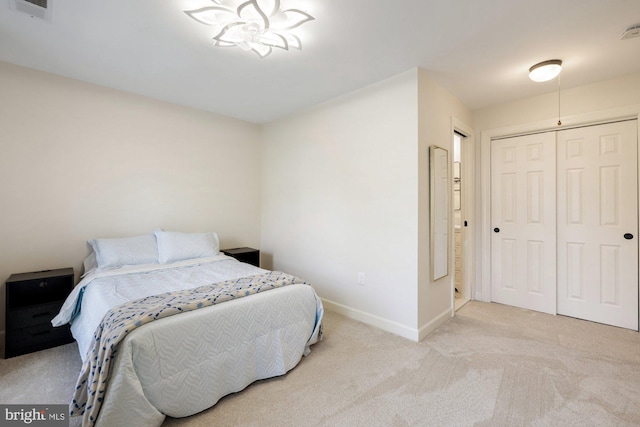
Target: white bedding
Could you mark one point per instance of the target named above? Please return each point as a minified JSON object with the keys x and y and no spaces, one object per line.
{"x":116,"y":286}
{"x":183,"y":364}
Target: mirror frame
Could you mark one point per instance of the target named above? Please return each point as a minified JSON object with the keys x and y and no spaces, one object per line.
{"x":439,"y":211}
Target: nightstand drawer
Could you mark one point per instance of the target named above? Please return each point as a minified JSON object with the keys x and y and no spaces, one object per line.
{"x":39,"y":290}
{"x":34,"y":315}
{"x":36,"y":337}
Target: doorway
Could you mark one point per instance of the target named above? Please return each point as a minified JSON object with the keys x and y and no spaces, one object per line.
{"x":461,"y":287}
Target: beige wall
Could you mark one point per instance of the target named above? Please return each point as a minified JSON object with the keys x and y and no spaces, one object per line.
{"x":543,"y":109}
{"x":438,"y":109}
{"x":346,"y":190}
{"x":79,"y":161}
{"x":340,"y":187}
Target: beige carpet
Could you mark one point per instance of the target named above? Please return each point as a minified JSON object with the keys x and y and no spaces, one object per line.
{"x":491,"y":365}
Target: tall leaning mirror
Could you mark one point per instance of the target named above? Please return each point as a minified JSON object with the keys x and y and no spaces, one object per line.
{"x":439,"y":209}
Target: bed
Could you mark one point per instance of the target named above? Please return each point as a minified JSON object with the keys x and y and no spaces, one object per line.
{"x":182,"y":364}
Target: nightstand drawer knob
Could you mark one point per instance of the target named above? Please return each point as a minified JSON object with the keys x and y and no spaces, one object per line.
{"x":43,"y":284}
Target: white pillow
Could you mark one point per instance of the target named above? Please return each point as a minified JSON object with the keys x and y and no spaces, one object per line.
{"x":175,"y":246}
{"x":111,"y":253}
{"x":90,"y":263}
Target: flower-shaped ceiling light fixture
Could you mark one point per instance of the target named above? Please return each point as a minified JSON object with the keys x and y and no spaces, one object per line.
{"x":257,"y":25}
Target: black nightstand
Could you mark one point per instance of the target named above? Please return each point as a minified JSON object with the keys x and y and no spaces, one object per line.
{"x":32,"y":300}
{"x":248,"y":255}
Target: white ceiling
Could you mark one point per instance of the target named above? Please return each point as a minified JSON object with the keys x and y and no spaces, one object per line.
{"x":480,"y":50}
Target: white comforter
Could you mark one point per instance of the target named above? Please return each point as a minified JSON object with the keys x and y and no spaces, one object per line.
{"x":183,"y":364}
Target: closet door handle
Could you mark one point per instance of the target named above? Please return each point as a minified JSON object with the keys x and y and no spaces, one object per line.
{"x":497,"y":230}
{"x":628,"y":236}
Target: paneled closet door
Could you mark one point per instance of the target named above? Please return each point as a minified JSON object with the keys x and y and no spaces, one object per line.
{"x":523,"y":221}
{"x":598,"y":224}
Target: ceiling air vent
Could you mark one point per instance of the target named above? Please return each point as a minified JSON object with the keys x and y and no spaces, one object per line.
{"x":631,"y":32}
{"x":35,"y":8}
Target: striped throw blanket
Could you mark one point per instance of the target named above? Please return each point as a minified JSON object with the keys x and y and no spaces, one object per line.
{"x":120,"y":320}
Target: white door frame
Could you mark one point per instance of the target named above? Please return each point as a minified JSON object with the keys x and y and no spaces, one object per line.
{"x":483,"y":264}
{"x":468,"y":193}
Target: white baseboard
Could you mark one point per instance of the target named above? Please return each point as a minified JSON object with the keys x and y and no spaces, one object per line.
{"x":440,"y":320}
{"x":385,"y":324}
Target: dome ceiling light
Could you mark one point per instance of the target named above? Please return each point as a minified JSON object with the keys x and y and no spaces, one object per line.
{"x":546,"y":70}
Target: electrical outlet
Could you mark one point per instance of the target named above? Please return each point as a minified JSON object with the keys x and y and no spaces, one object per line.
{"x":361,"y":279}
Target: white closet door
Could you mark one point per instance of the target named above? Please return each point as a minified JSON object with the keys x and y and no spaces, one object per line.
{"x":523,"y":214}
{"x":597,"y":207}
